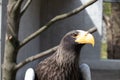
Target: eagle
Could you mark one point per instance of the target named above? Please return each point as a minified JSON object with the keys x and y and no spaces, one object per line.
{"x":63,"y":64}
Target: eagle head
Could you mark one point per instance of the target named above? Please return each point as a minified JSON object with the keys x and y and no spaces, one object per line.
{"x":76,"y":39}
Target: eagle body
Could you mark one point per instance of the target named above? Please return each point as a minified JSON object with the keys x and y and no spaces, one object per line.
{"x":57,"y":67}
{"x":64,"y":63}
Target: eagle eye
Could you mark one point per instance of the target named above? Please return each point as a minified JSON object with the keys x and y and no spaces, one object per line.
{"x":74,"y":35}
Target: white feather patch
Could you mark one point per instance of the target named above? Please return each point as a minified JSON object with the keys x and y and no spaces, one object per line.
{"x":30,"y":74}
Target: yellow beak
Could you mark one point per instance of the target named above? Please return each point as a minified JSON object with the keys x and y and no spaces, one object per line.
{"x":85,"y":38}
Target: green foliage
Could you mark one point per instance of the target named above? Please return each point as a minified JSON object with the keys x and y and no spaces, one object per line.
{"x":107,"y":8}
{"x":104,"y":50}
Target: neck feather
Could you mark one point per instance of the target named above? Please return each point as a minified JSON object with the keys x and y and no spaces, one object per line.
{"x":67,"y":56}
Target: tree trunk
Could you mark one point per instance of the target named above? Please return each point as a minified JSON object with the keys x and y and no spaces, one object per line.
{"x":11,"y":41}
{"x":9,"y":61}
{"x":113,"y":41}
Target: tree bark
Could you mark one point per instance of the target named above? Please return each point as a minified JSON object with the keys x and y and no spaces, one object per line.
{"x":11,"y":41}
{"x":113,"y":41}
{"x":9,"y":61}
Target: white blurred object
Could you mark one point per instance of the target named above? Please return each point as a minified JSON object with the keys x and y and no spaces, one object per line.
{"x":95,"y":13}
{"x":30,"y":74}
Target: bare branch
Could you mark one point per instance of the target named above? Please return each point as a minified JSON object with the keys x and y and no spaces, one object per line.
{"x":92,"y":30}
{"x":45,"y":53}
{"x":55,"y":19}
{"x":25,"y":7}
{"x":18,"y":4}
{"x":32,"y":58}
